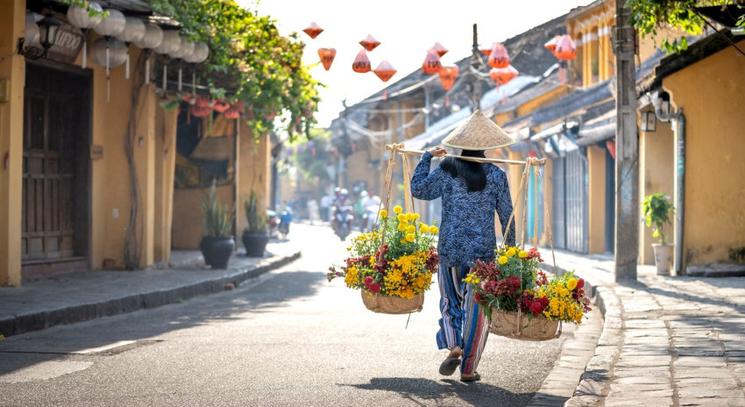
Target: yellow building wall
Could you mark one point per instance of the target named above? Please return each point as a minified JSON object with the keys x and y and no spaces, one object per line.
{"x":12,"y":78}
{"x":715,"y":146}
{"x":656,"y":171}
{"x":254,"y":173}
{"x":165,"y":159}
{"x":596,"y":194}
{"x":188,"y":227}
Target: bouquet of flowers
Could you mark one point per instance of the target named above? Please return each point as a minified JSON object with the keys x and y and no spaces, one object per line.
{"x":521,"y":300}
{"x":393,"y":264}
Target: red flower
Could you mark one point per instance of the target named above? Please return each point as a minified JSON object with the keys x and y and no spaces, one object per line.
{"x":534,"y":254}
{"x":580,"y":283}
{"x":368,"y":280}
{"x":541,"y":278}
{"x":374,"y":288}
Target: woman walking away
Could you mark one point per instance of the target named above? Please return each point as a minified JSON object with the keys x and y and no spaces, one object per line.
{"x":470,"y":193}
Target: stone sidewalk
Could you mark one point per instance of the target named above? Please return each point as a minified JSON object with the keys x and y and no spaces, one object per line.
{"x":666,"y":341}
{"x":78,"y":297}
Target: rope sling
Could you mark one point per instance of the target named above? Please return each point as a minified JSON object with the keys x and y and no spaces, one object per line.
{"x":532,"y":166}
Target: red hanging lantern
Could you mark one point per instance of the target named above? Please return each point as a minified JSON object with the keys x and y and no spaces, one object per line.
{"x":499,"y":58}
{"x":503,"y":75}
{"x":566,"y":50}
{"x":385,"y":71}
{"x":431,"y":64}
{"x":327,"y":57}
{"x":486,"y":51}
{"x":448,"y":75}
{"x":369,"y":43}
{"x":361,"y":63}
{"x":220,"y":106}
{"x":199,"y":111}
{"x":232,"y":113}
{"x":439,"y":49}
{"x":551,"y":44}
{"x":313,"y":30}
{"x":202,"y":102}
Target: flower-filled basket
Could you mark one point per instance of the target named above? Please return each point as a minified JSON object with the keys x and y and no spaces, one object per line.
{"x":393,"y":264}
{"x":521,"y":301}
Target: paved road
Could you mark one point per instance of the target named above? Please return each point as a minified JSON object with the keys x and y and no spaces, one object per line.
{"x":289,"y":338}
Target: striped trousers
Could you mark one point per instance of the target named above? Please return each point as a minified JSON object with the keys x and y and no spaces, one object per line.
{"x":463,"y":323}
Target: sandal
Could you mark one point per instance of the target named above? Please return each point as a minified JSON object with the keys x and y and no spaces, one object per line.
{"x":450,"y":364}
{"x":473,"y":377}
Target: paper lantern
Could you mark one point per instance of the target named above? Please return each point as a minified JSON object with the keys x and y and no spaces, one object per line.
{"x":235,"y":111}
{"x":185,"y":50}
{"x":198,"y":111}
{"x":220,"y":106}
{"x":448,"y":75}
{"x":385,"y":71}
{"x":152,"y":38}
{"x":565,"y":50}
{"x":201,"y":52}
{"x":327,"y":56}
{"x":134,"y":30}
{"x":171,"y":43}
{"x":203,"y":102}
{"x":361,"y":63}
{"x":439,"y":49}
{"x":486,"y":50}
{"x":116,"y":50}
{"x":313,"y":30}
{"x":369,"y":43}
{"x":503,"y":75}
{"x":499,"y":58}
{"x":551,"y":44}
{"x":81,"y":18}
{"x":112,"y":25}
{"x":431,"y":64}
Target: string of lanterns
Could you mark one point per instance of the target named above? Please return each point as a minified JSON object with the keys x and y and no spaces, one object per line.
{"x":118,"y":32}
{"x":497,"y":57}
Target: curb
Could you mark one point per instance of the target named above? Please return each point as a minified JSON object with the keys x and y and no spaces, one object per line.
{"x":594,"y":382}
{"x":35,"y":321}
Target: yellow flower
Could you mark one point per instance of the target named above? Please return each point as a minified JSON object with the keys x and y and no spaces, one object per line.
{"x":402,"y":218}
{"x":511,"y":252}
{"x":398,"y":209}
{"x":411,"y":229}
{"x":523,"y":254}
{"x":401,"y":227}
{"x":572,"y":284}
{"x":415,"y":216}
{"x":434,"y":230}
{"x":503,"y":260}
{"x":472,"y":279}
{"x":383,"y":213}
{"x":410,"y":237}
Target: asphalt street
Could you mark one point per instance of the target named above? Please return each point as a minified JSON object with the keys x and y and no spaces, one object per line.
{"x":287,"y":338}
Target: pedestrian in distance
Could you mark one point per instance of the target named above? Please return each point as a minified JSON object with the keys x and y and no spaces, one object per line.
{"x":471,"y":192}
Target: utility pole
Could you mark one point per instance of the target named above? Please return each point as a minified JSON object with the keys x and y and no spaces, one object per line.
{"x":477,"y":64}
{"x":627,"y":148}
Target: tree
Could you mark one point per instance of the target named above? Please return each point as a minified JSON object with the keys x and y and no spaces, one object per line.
{"x":649,"y":17}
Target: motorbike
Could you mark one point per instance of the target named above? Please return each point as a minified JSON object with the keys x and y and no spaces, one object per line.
{"x":343,"y":221}
{"x":272,"y":223}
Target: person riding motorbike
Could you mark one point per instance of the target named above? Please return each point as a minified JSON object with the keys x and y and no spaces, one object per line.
{"x":342,"y":215}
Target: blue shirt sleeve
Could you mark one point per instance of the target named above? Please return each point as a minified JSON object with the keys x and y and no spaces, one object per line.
{"x":426,"y":185}
{"x":504,"y":208}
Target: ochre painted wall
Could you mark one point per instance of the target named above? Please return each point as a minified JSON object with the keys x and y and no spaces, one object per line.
{"x":656,"y":172}
{"x":254,"y":173}
{"x":596,"y":212}
{"x":187,"y":214}
{"x":12,"y":73}
{"x":165,"y":159}
{"x":715,"y":147}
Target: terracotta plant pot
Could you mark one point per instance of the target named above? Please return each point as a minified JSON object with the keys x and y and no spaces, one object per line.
{"x":217,"y":251}
{"x":663,"y":258}
{"x":255,"y":243}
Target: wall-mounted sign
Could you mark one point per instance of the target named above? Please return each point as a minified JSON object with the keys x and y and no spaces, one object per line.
{"x":67,"y":45}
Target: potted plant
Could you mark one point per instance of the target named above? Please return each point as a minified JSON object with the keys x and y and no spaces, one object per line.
{"x":218,"y":244}
{"x":255,"y":237}
{"x":657,"y":210}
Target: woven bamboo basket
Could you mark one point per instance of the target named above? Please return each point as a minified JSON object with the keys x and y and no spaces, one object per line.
{"x":515,"y":325}
{"x":392,"y":305}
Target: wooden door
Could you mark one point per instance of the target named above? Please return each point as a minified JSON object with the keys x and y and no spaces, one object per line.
{"x":55,"y":193}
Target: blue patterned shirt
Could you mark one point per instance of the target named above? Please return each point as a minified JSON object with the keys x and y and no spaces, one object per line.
{"x":467,"y":229}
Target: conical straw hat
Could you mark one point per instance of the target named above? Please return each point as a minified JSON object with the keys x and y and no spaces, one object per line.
{"x":478,"y":133}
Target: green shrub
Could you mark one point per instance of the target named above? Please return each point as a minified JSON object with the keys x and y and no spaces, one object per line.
{"x":218,"y":218}
{"x":255,"y":219}
{"x":657,"y":210}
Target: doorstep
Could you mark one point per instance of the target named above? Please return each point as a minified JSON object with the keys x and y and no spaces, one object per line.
{"x":83,"y":296}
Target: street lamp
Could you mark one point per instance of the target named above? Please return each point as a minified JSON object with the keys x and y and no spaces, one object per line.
{"x":45,"y":32}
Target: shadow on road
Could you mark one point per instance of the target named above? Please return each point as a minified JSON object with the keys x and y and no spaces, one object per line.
{"x":419,"y":391}
{"x":64,"y":341}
